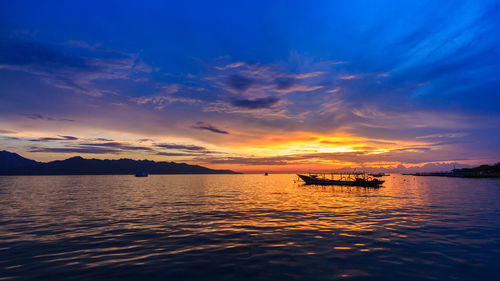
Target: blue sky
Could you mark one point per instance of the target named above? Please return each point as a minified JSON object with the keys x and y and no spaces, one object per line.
{"x":254,"y":85}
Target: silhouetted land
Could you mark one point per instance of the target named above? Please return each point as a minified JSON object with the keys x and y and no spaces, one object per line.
{"x":14,"y":164}
{"x":9,"y":160}
{"x":483,"y":171}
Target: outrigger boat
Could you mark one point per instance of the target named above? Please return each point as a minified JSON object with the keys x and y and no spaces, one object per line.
{"x":351,"y":179}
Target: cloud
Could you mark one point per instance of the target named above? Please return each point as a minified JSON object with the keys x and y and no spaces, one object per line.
{"x":83,"y":150}
{"x":170,"y":89}
{"x":260,"y":113}
{"x":72,"y":69}
{"x":90,"y":147}
{"x":59,"y":138}
{"x":239,"y":82}
{"x":282,"y":84}
{"x":36,"y":116}
{"x":162,"y":101}
{"x":204,"y":126}
{"x":83,"y":44}
{"x":46,"y":139}
{"x":26,"y":53}
{"x":69,"y":137}
{"x":248,"y":160}
{"x":347,"y":77}
{"x":303,"y":75}
{"x":267,"y":102}
{"x":118,"y":145}
{"x":174,"y":154}
{"x":408,"y":155}
{"x":289,"y":85}
{"x":115,"y":147}
{"x":7,"y":132}
{"x":231,"y":65}
{"x":297,"y":88}
{"x":450,"y":135}
{"x":103,"y":139}
{"x":181,"y":146}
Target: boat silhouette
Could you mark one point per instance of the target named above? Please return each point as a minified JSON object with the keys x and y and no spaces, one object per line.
{"x":350,"y":179}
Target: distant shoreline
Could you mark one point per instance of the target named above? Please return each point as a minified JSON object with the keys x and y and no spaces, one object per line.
{"x":483,"y":171}
{"x":12,"y":164}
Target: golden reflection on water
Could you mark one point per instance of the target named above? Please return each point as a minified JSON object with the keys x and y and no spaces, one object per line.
{"x":102,"y":221}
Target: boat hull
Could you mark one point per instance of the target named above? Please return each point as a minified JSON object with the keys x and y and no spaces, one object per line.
{"x":365,"y":183}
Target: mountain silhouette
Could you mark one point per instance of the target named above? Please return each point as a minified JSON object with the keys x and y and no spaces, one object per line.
{"x":9,"y":160}
{"x":81,"y":166}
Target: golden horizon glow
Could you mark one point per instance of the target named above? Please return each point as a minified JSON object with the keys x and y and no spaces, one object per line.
{"x":298,"y":151}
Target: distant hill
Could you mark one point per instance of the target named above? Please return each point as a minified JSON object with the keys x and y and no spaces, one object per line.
{"x":9,"y":160}
{"x":80,"y":166}
{"x":480,"y":171}
{"x":483,"y":171}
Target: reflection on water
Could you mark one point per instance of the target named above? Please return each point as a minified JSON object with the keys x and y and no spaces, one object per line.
{"x":247,"y":227}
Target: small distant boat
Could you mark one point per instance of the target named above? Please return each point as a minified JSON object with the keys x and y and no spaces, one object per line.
{"x":141,"y":175}
{"x":265,"y":174}
{"x":378,"y":175}
{"x":350,"y":179}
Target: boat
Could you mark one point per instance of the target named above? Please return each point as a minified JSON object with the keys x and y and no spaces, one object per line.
{"x":350,"y":179}
{"x":141,"y":175}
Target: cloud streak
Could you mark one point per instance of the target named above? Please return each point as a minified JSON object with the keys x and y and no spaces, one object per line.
{"x":258,"y":103}
{"x":208,"y":127}
{"x":181,"y":147}
{"x":70,"y":70}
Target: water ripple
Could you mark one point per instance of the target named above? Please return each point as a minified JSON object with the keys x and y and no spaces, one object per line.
{"x":246,"y":227}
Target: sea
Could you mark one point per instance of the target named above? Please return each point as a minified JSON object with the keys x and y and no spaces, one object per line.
{"x":247,"y":227}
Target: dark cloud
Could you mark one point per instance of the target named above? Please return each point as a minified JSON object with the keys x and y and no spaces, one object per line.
{"x":208,"y":127}
{"x":23,"y":52}
{"x":181,"y":147}
{"x":451,"y":142}
{"x":46,"y":139}
{"x":9,"y":138}
{"x":175,"y":154}
{"x":100,"y":148}
{"x":103,"y":139}
{"x":59,"y":138}
{"x":7,"y":132}
{"x":69,"y":137}
{"x":380,"y":142}
{"x":179,"y":154}
{"x":84,"y":150}
{"x":79,"y":70}
{"x":267,"y":102}
{"x":239,"y":82}
{"x":33,"y":53}
{"x":284,"y":84}
{"x":36,"y":116}
{"x":118,"y":145}
{"x":249,"y":160}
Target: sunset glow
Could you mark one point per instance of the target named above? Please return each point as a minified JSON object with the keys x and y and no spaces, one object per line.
{"x":296,"y":88}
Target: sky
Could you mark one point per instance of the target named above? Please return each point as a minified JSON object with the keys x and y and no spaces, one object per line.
{"x":279,"y":86}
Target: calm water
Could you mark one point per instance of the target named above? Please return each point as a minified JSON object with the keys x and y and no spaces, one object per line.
{"x":247,"y":227}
